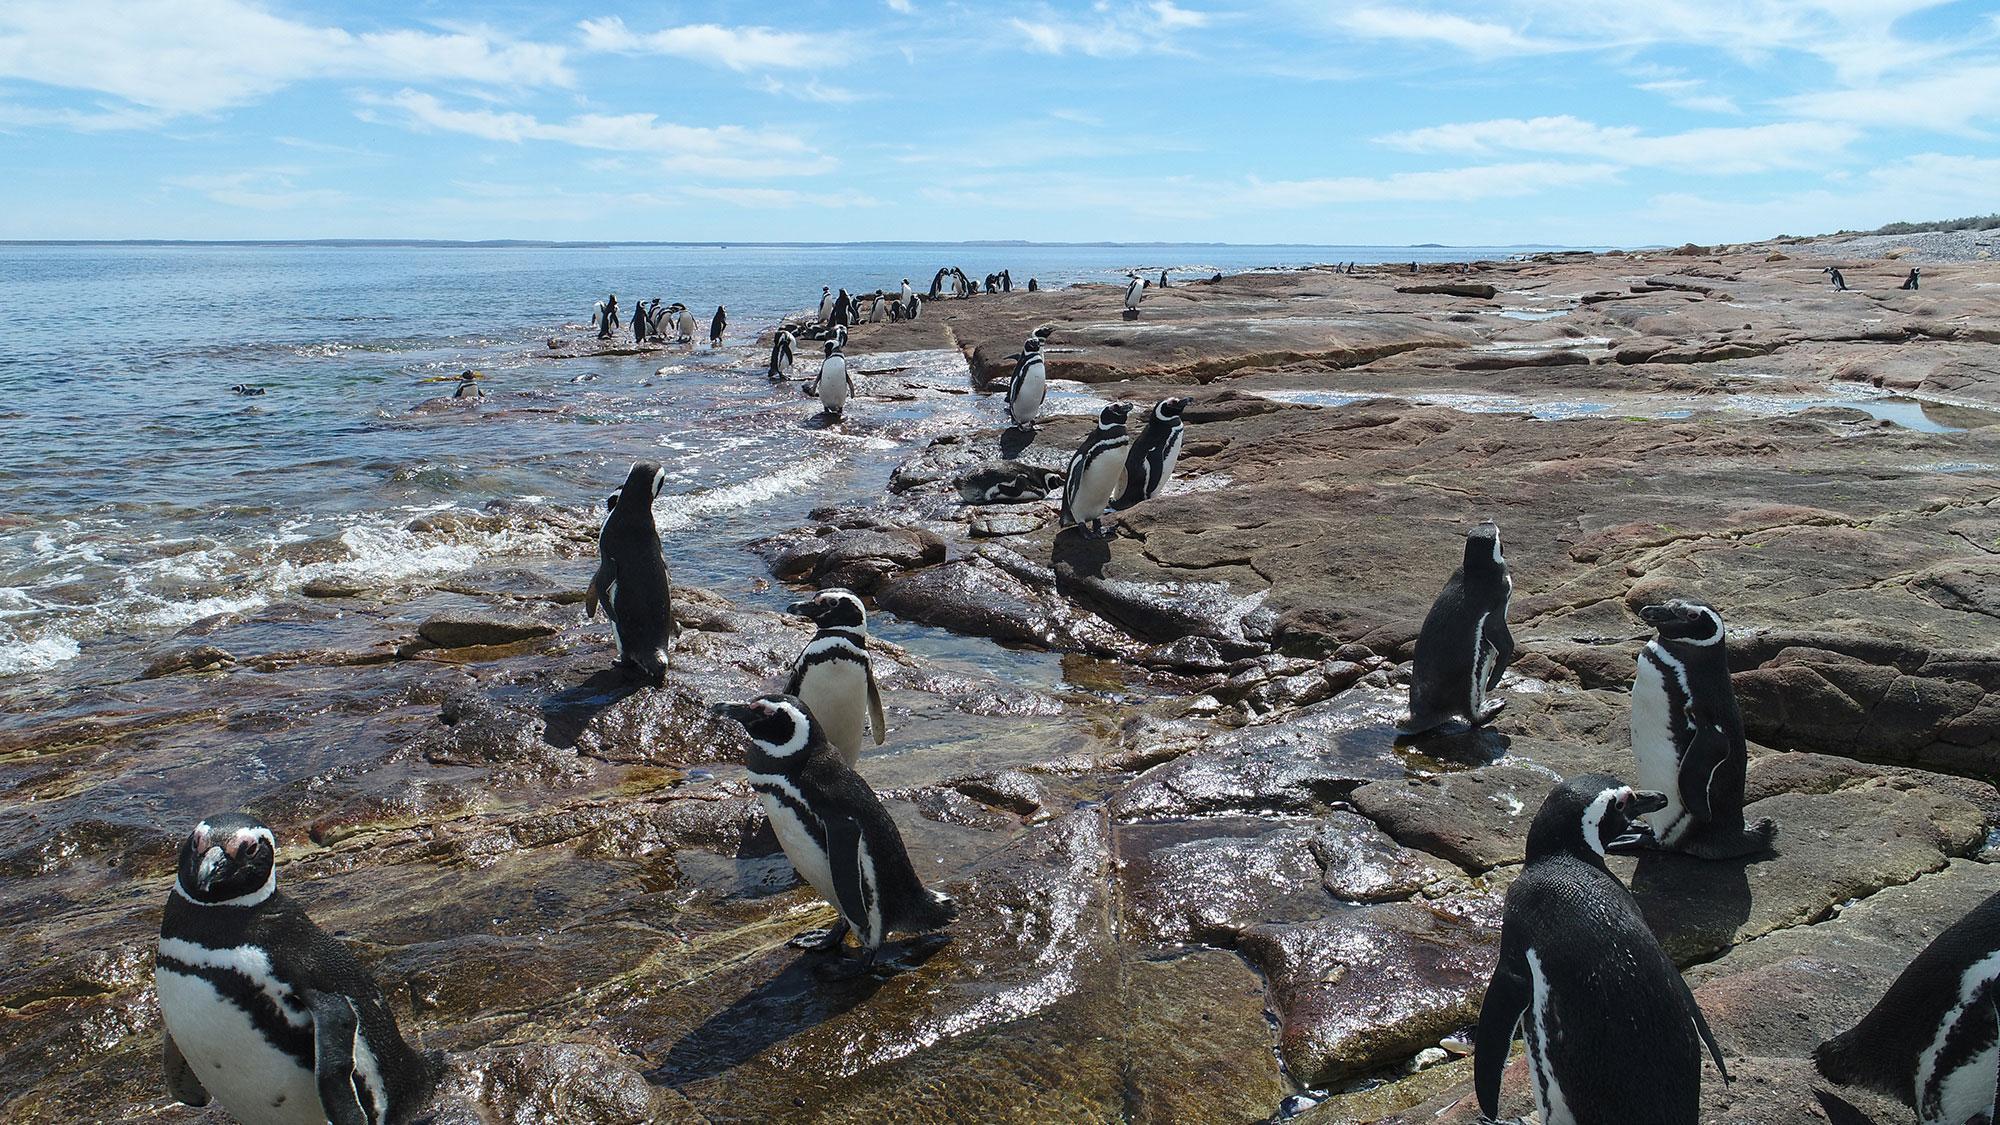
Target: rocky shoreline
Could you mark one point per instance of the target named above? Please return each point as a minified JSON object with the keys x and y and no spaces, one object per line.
{"x":1200,"y":879}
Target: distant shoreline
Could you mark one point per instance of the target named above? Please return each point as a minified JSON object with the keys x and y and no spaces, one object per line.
{"x":538,"y":244}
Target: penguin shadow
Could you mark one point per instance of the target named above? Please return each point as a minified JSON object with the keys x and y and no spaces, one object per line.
{"x":567,"y":712}
{"x":1840,"y":1111}
{"x":1015,"y":441}
{"x":1460,"y":744}
{"x":1691,"y":902}
{"x":1078,"y":554}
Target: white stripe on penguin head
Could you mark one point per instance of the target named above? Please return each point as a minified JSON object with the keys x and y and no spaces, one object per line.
{"x":801,"y":729}
{"x":1593,"y":817}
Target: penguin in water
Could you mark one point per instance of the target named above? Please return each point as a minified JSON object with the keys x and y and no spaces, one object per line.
{"x":1934,"y":1039}
{"x":631,"y":578}
{"x":1910,"y":282}
{"x":1133,"y":294}
{"x":1009,"y":482}
{"x":246,"y":390}
{"x":1464,"y":645}
{"x":1839,"y":282}
{"x":1613,"y":1033}
{"x":781,"y":355}
{"x":825,"y":302}
{"x":1687,"y":735}
{"x":468,"y":387}
{"x":1029,"y":386}
{"x":836,"y":833}
{"x":834,"y":386}
{"x":833,"y":676}
{"x":715,"y":326}
{"x":265,"y":1012}
{"x":1151,"y":462}
{"x":1096,"y":470}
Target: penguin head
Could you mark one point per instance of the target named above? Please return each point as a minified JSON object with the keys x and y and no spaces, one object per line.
{"x":1482,"y":548}
{"x":1688,"y":622}
{"x":781,"y":728}
{"x":230,"y":859}
{"x":646,"y":479}
{"x":1169,"y":409}
{"x":833,"y":608}
{"x":1114,"y":414}
{"x":1031,"y":345}
{"x":1591,"y":816}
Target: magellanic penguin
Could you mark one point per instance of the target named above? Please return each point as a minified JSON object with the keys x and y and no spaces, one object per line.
{"x":825,"y":303}
{"x":908,"y":293}
{"x":684,"y":327}
{"x":1151,"y":462}
{"x":1030,"y":385}
{"x":639,"y":330}
{"x":835,"y":831}
{"x":264,"y":1011}
{"x":715,"y":326}
{"x":1009,"y":482}
{"x":1613,"y":1033}
{"x":1464,"y":645}
{"x":1910,"y":282}
{"x":1839,"y":282}
{"x":631,"y":578}
{"x":1934,"y":1039}
{"x":834,"y":386}
{"x":1687,"y":735}
{"x":833,"y":676}
{"x":1096,"y":471}
{"x":1133,"y":293}
{"x":781,"y":355}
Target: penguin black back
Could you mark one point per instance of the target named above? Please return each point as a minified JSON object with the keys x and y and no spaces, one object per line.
{"x":1464,"y":644}
{"x":1151,"y":460}
{"x":631,"y":576}
{"x":1930,"y":1041}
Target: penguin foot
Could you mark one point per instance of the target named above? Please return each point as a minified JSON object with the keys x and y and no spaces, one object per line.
{"x":845,"y":968}
{"x":821,"y":941}
{"x":1751,"y":840}
{"x":1485,"y":714}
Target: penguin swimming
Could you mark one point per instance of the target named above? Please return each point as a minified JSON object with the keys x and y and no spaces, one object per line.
{"x":265,"y":1012}
{"x":825,"y":302}
{"x":1150,"y":464}
{"x":468,"y":387}
{"x":1133,"y":294}
{"x":1613,"y":1033}
{"x":1933,"y":1040}
{"x":834,"y":385}
{"x":1839,"y":282}
{"x":781,"y":355}
{"x":1910,"y":282}
{"x":1096,"y":470}
{"x":1464,"y":644}
{"x":631,"y":578}
{"x":1687,"y":735}
{"x":1008,"y":482}
{"x":715,"y":326}
{"x":1029,"y":386}
{"x":246,"y":390}
{"x":835,"y":831}
{"x":833,"y":676}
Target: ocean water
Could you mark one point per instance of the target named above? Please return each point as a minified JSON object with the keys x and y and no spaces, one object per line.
{"x":139,"y":495}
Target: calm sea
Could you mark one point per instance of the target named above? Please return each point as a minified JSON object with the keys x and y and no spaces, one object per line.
{"x":138,"y":495}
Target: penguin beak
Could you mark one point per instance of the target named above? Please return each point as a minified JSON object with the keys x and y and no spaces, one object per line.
{"x":740,"y":712}
{"x":214,"y":865}
{"x":808,"y":609}
{"x":1647,"y":801}
{"x":1656,"y":614}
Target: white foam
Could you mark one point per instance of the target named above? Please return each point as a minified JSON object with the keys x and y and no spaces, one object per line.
{"x":36,"y":655}
{"x":681,"y":512}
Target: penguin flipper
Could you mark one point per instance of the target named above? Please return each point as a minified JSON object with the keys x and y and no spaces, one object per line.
{"x":181,"y":1080}
{"x":876,"y":719}
{"x":333,"y":1057}
{"x":1705,"y":754}
{"x":1507,"y":996}
{"x":1502,"y":640}
{"x":599,"y":589}
{"x":853,"y":878}
{"x":1701,"y":1025}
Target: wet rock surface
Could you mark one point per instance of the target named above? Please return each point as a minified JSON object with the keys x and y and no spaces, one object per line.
{"x":1198,"y":873}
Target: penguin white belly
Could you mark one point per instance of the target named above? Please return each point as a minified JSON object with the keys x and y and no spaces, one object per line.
{"x":1969,"y":1088}
{"x":1172,"y":458}
{"x":1033,"y":390}
{"x":1483,"y":656}
{"x":254,"y":1081}
{"x":1653,"y":748}
{"x":1548,"y":1091}
{"x":808,"y":858}
{"x":1101,"y":476}
{"x":833,"y":388}
{"x":836,"y":692}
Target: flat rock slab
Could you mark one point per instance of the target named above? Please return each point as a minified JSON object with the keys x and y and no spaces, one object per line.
{"x":465,"y":630}
{"x":1477,"y":819}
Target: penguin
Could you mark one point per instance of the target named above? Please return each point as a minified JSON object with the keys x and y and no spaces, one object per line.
{"x":875,"y":309}
{"x":265,"y":1012}
{"x":247,"y":390}
{"x":1034,"y":286}
{"x":1839,"y":282}
{"x":1910,"y":282}
{"x":653,"y":321}
{"x":1133,"y":293}
{"x":825,"y":302}
{"x":836,"y":833}
{"x":468,"y":387}
{"x":1464,"y":644}
{"x":684,"y":327}
{"x":715,"y":326}
{"x":843,"y":309}
{"x":833,"y":676}
{"x":839,"y":336}
{"x":1150,"y":463}
{"x":1096,"y":470}
{"x":781,"y":355}
{"x":1006,"y":281}
{"x":1029,"y":386}
{"x":631,"y":578}
{"x":937,"y":282}
{"x":1687,"y":735}
{"x":639,"y":323}
{"x":908,"y":293}
{"x":916,"y":306}
{"x":834,"y":385}
{"x":1613,"y":1033}
{"x":607,"y":317}
{"x":1163,"y":279}
{"x":1009,"y":482}
{"x":1934,"y":1039}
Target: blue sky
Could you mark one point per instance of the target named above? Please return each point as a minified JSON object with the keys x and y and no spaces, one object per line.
{"x":1507,"y":121}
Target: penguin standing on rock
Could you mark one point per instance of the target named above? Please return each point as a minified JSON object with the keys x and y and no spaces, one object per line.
{"x":264,"y":1012}
{"x":1133,"y":293}
{"x":1839,"y":282}
{"x":836,"y":833}
{"x":684,"y":326}
{"x":1464,"y":645}
{"x":1687,"y":735}
{"x":1910,"y":282}
{"x":1030,"y":385}
{"x":1934,"y":1039}
{"x":631,"y":578}
{"x":1150,"y":464}
{"x":781,"y":355}
{"x":1614,"y":1035}
{"x":1096,"y":471}
{"x":833,"y":676}
{"x":834,"y":386}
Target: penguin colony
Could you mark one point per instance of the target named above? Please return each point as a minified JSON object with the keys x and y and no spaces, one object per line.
{"x":274,"y":1020}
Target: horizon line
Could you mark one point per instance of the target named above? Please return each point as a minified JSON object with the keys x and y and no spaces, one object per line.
{"x":587,"y":244}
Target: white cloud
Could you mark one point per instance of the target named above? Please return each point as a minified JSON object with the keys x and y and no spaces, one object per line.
{"x":813,"y":90}
{"x":1753,"y":148}
{"x":1924,"y":186}
{"x":902,"y":6}
{"x":198,"y":56}
{"x":1948,"y":100}
{"x":738,"y":48}
{"x":1114,"y":31}
{"x":261,"y":189}
{"x":779,"y":197}
{"x":1478,"y":37}
{"x":1686,"y":93}
{"x":102,"y":119}
{"x":1454,"y":185}
{"x":722,"y":150}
